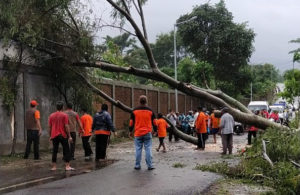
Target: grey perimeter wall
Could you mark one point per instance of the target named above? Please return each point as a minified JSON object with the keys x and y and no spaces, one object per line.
{"x":33,"y":83}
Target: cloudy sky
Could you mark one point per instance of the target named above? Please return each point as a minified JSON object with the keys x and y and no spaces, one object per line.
{"x":275,"y":23}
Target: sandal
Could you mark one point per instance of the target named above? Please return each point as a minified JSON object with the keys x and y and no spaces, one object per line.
{"x":70,"y":169}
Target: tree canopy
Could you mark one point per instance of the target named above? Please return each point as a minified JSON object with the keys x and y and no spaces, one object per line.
{"x":215,"y":38}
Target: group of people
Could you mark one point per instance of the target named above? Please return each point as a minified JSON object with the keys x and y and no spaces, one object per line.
{"x":200,"y":123}
{"x":63,"y":127}
{"x":64,"y":124}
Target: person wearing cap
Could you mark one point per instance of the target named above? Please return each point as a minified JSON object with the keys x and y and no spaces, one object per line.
{"x":34,"y":129}
{"x":226,"y":128}
{"x":74,"y":125}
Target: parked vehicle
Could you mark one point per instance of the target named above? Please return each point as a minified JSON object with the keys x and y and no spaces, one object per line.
{"x":238,"y":128}
{"x":258,"y":105}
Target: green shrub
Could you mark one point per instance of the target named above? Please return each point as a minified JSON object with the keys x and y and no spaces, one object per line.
{"x":282,"y":147}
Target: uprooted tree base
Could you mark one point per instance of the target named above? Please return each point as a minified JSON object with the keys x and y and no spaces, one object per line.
{"x":283,"y":148}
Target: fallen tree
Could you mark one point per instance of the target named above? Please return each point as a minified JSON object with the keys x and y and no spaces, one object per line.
{"x":236,"y":109}
{"x":74,"y":49}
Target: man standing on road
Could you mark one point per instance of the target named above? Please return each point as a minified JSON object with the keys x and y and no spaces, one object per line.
{"x":86,"y":121}
{"x":201,"y":129}
{"x":74,"y":125}
{"x":226,"y":128}
{"x":214,"y":125}
{"x":34,"y":130}
{"x":142,"y":120}
{"x":102,"y":128}
{"x":59,"y":133}
{"x":173,"y":118}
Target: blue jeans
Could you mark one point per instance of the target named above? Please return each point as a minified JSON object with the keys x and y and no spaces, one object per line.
{"x":145,"y":140}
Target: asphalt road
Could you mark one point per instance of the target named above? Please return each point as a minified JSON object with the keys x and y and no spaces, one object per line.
{"x":121,"y":178}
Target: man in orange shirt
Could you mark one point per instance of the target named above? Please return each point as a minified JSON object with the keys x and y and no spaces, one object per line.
{"x":102,"y":128}
{"x":34,"y":130}
{"x":162,"y":126}
{"x":201,"y":129}
{"x":214,"y":125}
{"x":142,"y":120}
{"x":87,"y":122}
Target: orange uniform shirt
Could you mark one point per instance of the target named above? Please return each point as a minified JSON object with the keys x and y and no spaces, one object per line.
{"x":201,"y":123}
{"x":37,"y":114}
{"x":214,"y":121}
{"x":142,"y":119}
{"x":161,"y":127}
{"x":86,"y":121}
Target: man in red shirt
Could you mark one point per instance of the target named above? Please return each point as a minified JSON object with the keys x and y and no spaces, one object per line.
{"x":59,"y":133}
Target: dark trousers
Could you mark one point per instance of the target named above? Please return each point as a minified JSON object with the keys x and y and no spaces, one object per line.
{"x":101,"y":145}
{"x":201,"y":140}
{"x":171,"y":134}
{"x":72,"y":144}
{"x":250,"y":133}
{"x":227,"y":143}
{"x":32,"y":136}
{"x":86,"y":146}
{"x":65,"y":144}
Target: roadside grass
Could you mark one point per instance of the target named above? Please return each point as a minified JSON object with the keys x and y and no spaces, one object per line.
{"x":6,"y":159}
{"x":283,"y":148}
{"x":178,"y":165}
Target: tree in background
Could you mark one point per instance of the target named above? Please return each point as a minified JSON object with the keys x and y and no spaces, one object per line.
{"x":214,"y":37}
{"x":264,"y":78}
{"x":292,"y":86}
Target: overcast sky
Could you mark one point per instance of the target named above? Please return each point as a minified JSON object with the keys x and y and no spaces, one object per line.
{"x":275,"y":23}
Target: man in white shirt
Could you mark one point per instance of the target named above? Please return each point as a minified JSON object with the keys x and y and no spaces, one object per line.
{"x":173,"y":118}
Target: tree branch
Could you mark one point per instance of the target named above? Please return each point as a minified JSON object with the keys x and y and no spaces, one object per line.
{"x":126,"y":108}
{"x":73,"y":20}
{"x":139,"y":34}
{"x":136,"y":7}
{"x":156,"y":74}
{"x":119,"y":27}
{"x":102,"y":94}
{"x":56,"y":43}
{"x":265,"y":155}
{"x":143,"y":19}
{"x":226,"y":98}
{"x":126,"y":7}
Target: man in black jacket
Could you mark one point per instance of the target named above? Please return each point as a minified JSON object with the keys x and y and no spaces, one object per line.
{"x":102,"y":128}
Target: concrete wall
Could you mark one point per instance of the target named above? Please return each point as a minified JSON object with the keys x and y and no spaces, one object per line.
{"x":34,"y":83}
